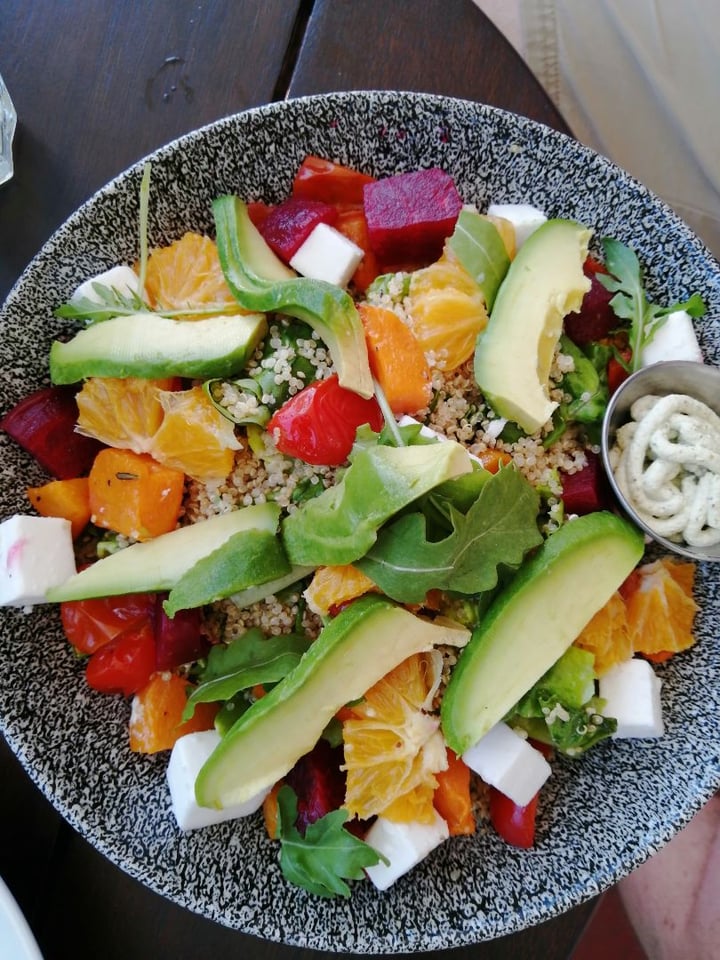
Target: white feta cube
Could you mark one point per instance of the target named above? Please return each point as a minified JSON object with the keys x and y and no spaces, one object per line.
{"x":328,"y":255}
{"x":188,"y":756}
{"x":36,"y":553}
{"x":506,"y":761}
{"x":632,"y":692}
{"x":404,"y":845}
{"x":121,"y":278}
{"x":674,"y":340}
{"x":523,"y":216}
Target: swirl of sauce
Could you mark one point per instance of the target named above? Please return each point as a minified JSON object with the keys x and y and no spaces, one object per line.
{"x":666,"y":462}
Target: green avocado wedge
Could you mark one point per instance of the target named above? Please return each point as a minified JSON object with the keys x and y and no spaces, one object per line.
{"x":534,"y":620}
{"x":514,"y":352}
{"x":150,"y":346}
{"x":260,"y":281}
{"x":163,"y":562}
{"x":363,"y":643}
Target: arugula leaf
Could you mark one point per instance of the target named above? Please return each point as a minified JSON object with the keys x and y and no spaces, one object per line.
{"x":630,"y":301}
{"x":112,"y":303}
{"x":496,"y":531}
{"x":327,"y":856}
{"x":248,"y":660}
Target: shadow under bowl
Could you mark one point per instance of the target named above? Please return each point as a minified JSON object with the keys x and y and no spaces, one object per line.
{"x":697,"y":380}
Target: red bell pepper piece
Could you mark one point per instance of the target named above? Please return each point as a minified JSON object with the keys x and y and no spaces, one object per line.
{"x":125,"y":664}
{"x":515,"y":824}
{"x":410,"y":215}
{"x":288,"y":225}
{"x":318,"y":425}
{"x":319,"y":179}
{"x":91,"y":624}
{"x":43,"y":424}
{"x":352,"y":224}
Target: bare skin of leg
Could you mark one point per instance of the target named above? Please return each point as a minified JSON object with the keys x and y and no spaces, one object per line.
{"x":673,"y":900}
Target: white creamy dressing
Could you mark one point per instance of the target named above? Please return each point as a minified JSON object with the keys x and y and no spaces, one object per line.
{"x":666,"y":462}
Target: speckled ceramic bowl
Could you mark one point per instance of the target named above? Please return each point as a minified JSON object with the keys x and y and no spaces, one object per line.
{"x":600,"y":816}
{"x":698,"y":380}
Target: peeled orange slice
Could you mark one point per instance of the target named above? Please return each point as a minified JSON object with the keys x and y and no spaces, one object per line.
{"x":188,"y":274}
{"x":660,"y":607}
{"x":607,"y":636}
{"x":447,"y":311}
{"x":122,"y":413}
{"x":393,"y":747}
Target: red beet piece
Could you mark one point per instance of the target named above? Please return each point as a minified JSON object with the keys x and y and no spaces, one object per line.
{"x":595,"y":318}
{"x":587,"y":490}
{"x":179,"y":639}
{"x":288,"y":225}
{"x":44,"y":425}
{"x":318,"y":782}
{"x":410,"y":215}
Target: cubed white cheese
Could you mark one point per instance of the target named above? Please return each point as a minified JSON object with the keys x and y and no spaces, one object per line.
{"x":404,"y":845}
{"x":188,"y":756}
{"x":523,"y":216}
{"x":632,"y":692}
{"x":506,"y":761}
{"x":674,"y":340}
{"x":36,"y":553}
{"x":121,"y":278}
{"x":327,"y":255}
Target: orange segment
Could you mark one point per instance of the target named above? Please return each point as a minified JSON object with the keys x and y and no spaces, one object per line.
{"x":134,"y":495}
{"x":447,"y":311}
{"x":607,"y":636}
{"x":660,"y":607}
{"x":188,"y":274}
{"x":333,"y":586}
{"x":122,"y":413}
{"x":156,"y":717}
{"x":393,"y":747}
{"x":194,"y":437}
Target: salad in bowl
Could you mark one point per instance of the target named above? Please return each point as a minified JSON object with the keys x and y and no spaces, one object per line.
{"x":327,"y":522}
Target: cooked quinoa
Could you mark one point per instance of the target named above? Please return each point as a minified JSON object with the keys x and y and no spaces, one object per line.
{"x":457,"y":410}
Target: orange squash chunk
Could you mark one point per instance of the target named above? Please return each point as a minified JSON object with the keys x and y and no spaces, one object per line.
{"x":156,"y":719}
{"x":68,"y":499}
{"x":397,"y":360}
{"x":134,"y":495}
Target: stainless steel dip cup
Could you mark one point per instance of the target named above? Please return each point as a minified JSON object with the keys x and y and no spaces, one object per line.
{"x":697,"y":380}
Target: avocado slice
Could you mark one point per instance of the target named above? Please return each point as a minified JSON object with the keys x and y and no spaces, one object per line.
{"x":259,"y":281}
{"x":148,"y":345}
{"x":514,"y":353}
{"x":477,"y":244}
{"x":363,"y":643}
{"x":161,"y":563}
{"x":535,"y":619}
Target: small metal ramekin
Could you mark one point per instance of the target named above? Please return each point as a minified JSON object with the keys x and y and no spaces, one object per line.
{"x":697,"y":380}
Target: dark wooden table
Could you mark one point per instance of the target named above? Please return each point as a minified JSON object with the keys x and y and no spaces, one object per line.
{"x":97,"y":85}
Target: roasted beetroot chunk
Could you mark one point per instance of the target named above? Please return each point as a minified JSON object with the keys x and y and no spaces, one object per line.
{"x":288,"y":225}
{"x":410,"y":215}
{"x":587,"y":490}
{"x":595,"y":318}
{"x":318,"y":782}
{"x":44,"y":425}
{"x":179,"y":639}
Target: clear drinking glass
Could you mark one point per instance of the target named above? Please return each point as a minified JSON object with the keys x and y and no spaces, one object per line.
{"x":8,"y":119}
